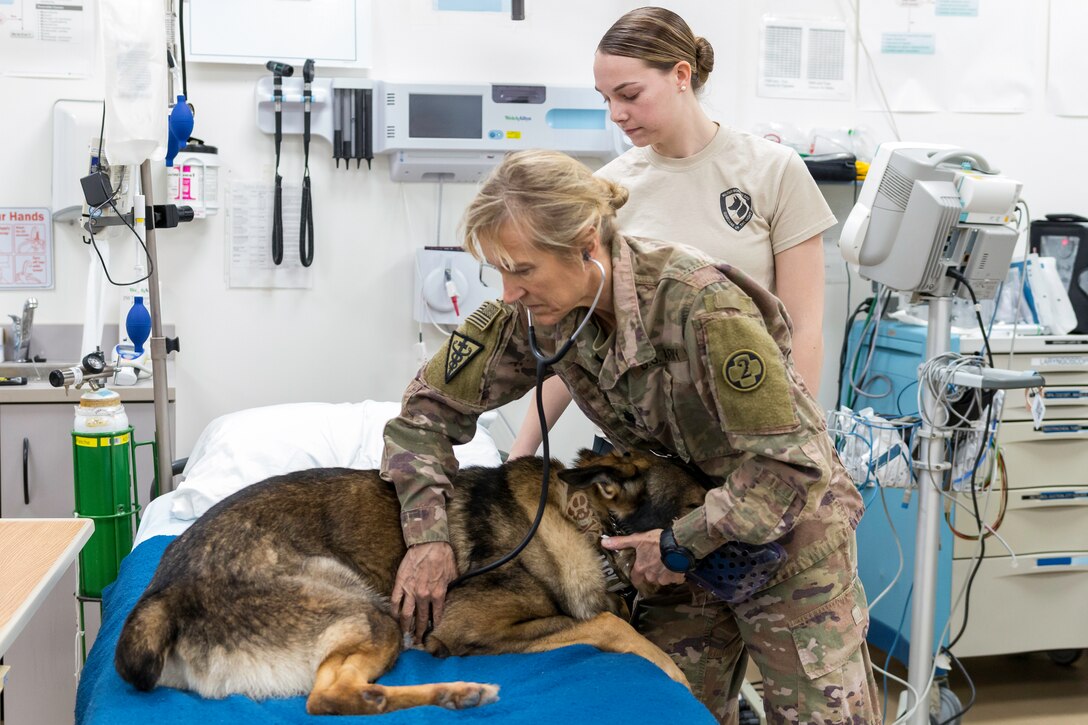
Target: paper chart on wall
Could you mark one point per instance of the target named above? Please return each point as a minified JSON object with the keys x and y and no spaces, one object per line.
{"x":47,"y":39}
{"x":965,"y":56}
{"x":26,"y":248}
{"x":1066,"y":91}
{"x":803,"y":58}
{"x":249,"y":234}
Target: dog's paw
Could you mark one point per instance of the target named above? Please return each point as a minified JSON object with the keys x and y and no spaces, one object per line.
{"x":369,"y":700}
{"x":463,"y":695}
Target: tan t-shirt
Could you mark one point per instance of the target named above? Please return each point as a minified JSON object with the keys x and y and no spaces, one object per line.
{"x":742,"y":199}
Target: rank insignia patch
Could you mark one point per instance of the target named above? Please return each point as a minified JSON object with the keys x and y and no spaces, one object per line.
{"x":744,"y":370}
{"x":461,"y":350}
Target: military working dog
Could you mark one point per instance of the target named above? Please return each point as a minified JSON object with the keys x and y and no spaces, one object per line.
{"x":283,"y":588}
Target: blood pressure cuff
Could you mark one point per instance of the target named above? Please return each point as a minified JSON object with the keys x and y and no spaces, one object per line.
{"x":736,"y":571}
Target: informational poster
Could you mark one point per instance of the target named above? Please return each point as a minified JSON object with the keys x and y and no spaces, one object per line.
{"x":26,"y":248}
{"x":804,"y":58}
{"x":47,"y":39}
{"x":966,"y":56}
{"x":335,"y":33}
{"x":1066,"y":91}
{"x":249,"y":234}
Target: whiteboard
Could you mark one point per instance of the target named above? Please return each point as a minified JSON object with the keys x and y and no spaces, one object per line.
{"x":334,"y":33}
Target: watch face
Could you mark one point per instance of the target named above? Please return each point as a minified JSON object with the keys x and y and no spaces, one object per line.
{"x":677,"y":561}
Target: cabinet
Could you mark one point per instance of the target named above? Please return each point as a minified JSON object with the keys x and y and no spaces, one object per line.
{"x":1046,"y":519}
{"x":1045,"y":523}
{"x":36,"y":481}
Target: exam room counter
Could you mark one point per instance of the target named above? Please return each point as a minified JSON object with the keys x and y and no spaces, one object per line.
{"x":40,"y":391}
{"x":36,"y":481}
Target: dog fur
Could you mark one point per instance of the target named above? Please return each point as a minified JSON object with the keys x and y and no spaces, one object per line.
{"x":283,"y":588}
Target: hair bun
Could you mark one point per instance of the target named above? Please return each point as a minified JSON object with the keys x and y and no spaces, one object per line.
{"x":704,"y":57}
{"x":617,"y":194}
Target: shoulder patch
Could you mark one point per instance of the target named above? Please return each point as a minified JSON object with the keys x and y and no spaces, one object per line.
{"x":753,"y":390}
{"x":459,"y":368}
{"x":459,"y":352}
{"x":484,"y":316}
{"x":744,"y":370}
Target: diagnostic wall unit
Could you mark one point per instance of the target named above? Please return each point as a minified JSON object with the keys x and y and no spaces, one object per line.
{"x":459,"y":132}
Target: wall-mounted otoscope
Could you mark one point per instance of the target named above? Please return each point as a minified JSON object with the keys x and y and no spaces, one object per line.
{"x":279,"y":68}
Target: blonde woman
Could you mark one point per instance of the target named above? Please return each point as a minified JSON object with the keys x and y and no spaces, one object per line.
{"x":682,"y":356}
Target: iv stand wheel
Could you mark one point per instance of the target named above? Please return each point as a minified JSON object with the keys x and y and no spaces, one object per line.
{"x":1064,"y":657}
{"x":949,"y":705}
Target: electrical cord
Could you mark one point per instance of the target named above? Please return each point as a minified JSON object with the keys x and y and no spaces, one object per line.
{"x":970,"y":684}
{"x":95,"y":212}
{"x":960,"y":279}
{"x":981,"y":538}
{"x":181,"y":47}
{"x":850,"y":319}
{"x":895,"y":642}
{"x":989,"y":529}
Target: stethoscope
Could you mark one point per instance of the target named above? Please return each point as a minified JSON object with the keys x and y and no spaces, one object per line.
{"x":543,"y":362}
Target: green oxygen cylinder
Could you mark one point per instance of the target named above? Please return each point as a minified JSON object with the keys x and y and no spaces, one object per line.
{"x":102,"y":462}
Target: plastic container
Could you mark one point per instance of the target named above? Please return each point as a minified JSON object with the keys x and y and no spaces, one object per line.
{"x":194,"y":179}
{"x":100,"y":411}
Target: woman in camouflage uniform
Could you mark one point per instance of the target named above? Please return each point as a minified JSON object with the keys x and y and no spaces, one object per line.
{"x":682,"y":356}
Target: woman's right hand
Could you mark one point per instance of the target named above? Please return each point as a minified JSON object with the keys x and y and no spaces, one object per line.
{"x":419,"y":592}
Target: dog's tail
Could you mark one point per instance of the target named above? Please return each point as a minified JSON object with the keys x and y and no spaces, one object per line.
{"x":146,"y":639}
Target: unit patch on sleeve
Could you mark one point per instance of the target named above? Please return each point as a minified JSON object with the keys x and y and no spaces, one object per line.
{"x":752,"y":388}
{"x":744,"y":370}
{"x":459,"y":369}
{"x":459,"y":352}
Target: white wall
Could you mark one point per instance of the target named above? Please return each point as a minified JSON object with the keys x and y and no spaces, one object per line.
{"x":351,"y":337}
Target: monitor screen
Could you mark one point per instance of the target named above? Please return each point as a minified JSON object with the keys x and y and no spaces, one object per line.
{"x":445,"y":116}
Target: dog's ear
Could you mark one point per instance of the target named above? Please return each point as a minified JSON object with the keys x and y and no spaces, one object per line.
{"x":607,"y":479}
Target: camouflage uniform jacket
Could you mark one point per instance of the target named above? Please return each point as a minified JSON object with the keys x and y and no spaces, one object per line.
{"x":699,"y":366}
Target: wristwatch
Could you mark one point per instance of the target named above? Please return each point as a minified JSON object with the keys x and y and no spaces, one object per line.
{"x":675,"y":557}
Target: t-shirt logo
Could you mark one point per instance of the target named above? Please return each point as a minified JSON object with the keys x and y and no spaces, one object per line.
{"x":736,"y":208}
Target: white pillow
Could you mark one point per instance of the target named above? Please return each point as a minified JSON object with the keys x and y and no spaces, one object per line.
{"x":239,"y":449}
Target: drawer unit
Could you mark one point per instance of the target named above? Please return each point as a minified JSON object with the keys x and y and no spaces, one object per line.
{"x":1037,"y":521}
{"x":1036,"y":604}
{"x":1062,"y":402}
{"x":1055,"y":455}
{"x":1061,"y":359}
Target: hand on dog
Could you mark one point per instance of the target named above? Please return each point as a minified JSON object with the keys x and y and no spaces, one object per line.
{"x":648,"y":568}
{"x":419,"y":592}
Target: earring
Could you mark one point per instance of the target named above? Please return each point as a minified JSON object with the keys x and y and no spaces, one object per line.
{"x":683,"y":88}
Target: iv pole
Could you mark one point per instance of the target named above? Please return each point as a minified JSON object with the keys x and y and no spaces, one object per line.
{"x":164,"y":452}
{"x":932,"y":467}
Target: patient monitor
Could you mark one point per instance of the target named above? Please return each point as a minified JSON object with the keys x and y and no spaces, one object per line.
{"x":460,"y":132}
{"x":926,"y":209}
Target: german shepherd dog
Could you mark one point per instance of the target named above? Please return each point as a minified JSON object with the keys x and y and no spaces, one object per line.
{"x":283,"y":588}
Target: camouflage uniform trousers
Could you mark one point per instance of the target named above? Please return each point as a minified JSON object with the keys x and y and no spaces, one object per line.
{"x":806,"y":634}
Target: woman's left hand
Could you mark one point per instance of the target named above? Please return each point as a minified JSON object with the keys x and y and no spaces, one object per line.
{"x":648,"y":568}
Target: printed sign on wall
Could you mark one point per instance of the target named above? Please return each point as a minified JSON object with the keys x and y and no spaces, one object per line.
{"x":26,"y":248}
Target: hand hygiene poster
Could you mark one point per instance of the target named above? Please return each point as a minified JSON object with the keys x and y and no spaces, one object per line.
{"x":26,"y":248}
